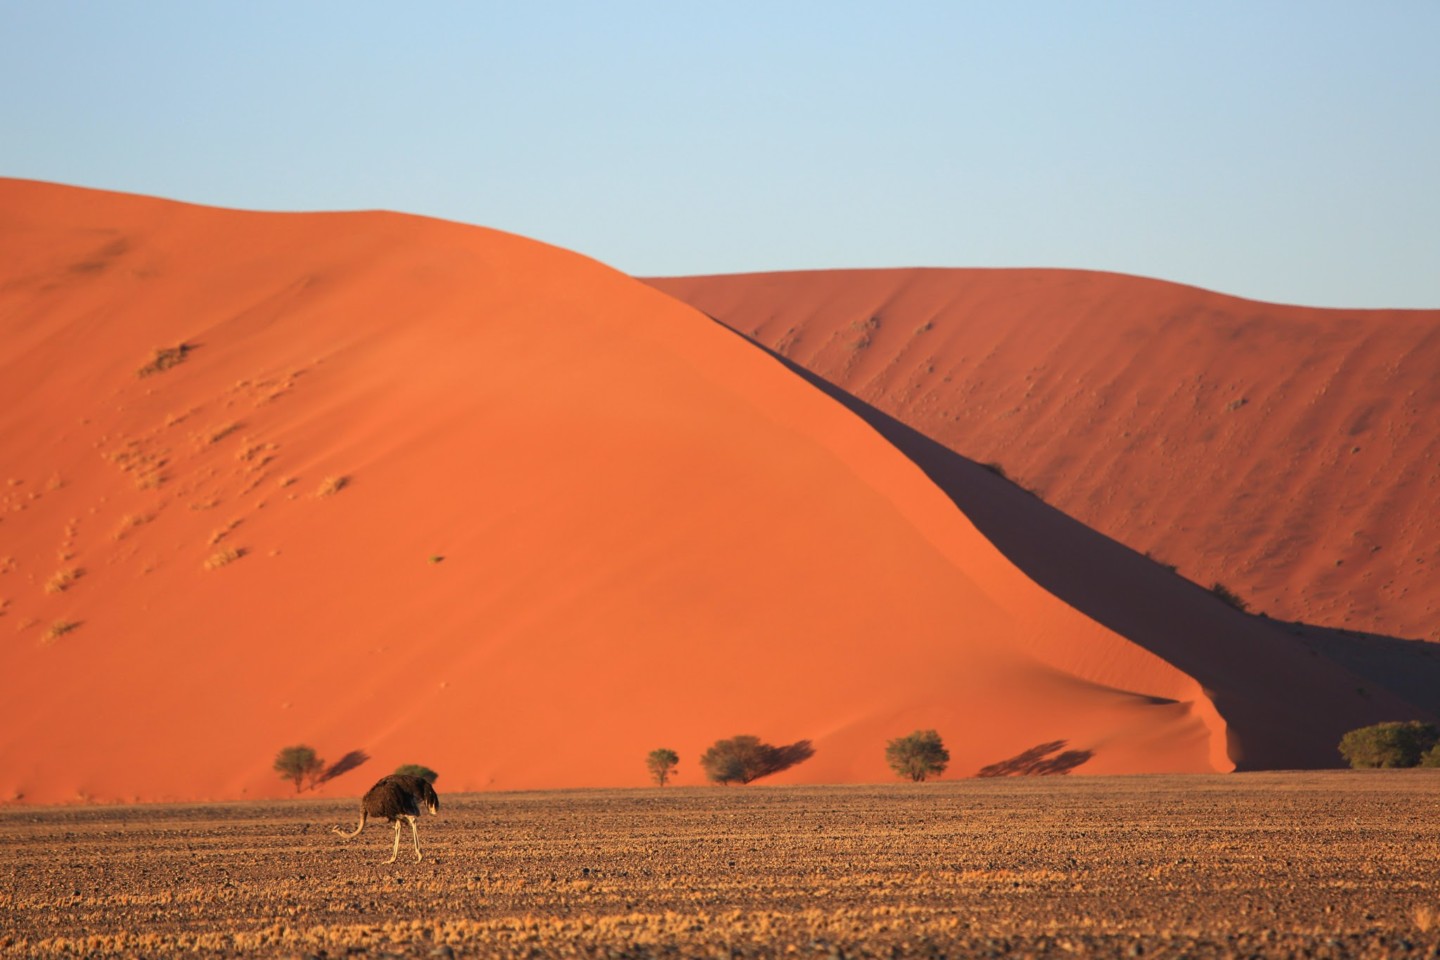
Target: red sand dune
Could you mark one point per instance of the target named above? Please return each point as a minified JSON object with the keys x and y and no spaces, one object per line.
{"x":1289,"y":453}
{"x":453,"y":497}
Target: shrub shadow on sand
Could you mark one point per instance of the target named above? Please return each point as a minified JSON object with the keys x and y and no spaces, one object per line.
{"x":343,"y":766}
{"x":1042,"y":760}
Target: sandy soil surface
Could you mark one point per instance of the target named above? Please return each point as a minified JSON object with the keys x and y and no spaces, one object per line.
{"x":1315,"y":864}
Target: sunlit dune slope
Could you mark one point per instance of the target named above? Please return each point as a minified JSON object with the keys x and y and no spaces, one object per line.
{"x":1290,"y":454}
{"x":447,"y":496}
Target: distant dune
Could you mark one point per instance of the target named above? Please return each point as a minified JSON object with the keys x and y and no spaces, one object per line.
{"x":1290,"y":454}
{"x":448,"y":496}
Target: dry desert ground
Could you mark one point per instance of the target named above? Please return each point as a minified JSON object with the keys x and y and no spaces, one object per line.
{"x":1269,"y":864}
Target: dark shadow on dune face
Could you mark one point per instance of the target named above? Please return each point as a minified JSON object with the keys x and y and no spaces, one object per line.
{"x":1042,"y":760}
{"x":1255,"y":670}
{"x":1410,"y":668}
{"x":344,"y":765}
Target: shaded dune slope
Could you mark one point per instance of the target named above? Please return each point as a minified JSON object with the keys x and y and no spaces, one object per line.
{"x":1263,"y":676}
{"x":448,"y":496}
{"x":1288,"y":453}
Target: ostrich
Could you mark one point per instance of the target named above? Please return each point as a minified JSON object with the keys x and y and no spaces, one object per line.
{"x":397,"y":798}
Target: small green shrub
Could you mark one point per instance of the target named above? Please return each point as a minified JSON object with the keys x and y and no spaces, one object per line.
{"x":416,"y":770}
{"x":661,"y":763}
{"x":1228,"y":595}
{"x":1431,"y":757}
{"x":918,"y":756}
{"x":300,"y":764}
{"x":164,"y":359}
{"x":1393,"y":744}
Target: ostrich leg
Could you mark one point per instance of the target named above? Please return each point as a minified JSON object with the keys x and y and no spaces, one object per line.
{"x":396,"y":850}
{"x":415,"y":836}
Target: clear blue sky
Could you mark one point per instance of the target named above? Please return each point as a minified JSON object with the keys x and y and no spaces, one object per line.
{"x":1284,"y":151}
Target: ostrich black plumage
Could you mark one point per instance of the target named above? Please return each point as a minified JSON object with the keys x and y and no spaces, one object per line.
{"x":399,"y":799}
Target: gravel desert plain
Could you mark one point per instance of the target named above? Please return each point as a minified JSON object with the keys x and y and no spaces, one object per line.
{"x":1323,"y":864}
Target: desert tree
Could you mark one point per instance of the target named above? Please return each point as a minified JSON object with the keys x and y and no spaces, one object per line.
{"x":917,"y":756}
{"x":417,"y":770}
{"x":1393,"y":744}
{"x":661,"y":763}
{"x":300,"y":764}
{"x":744,"y":758}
